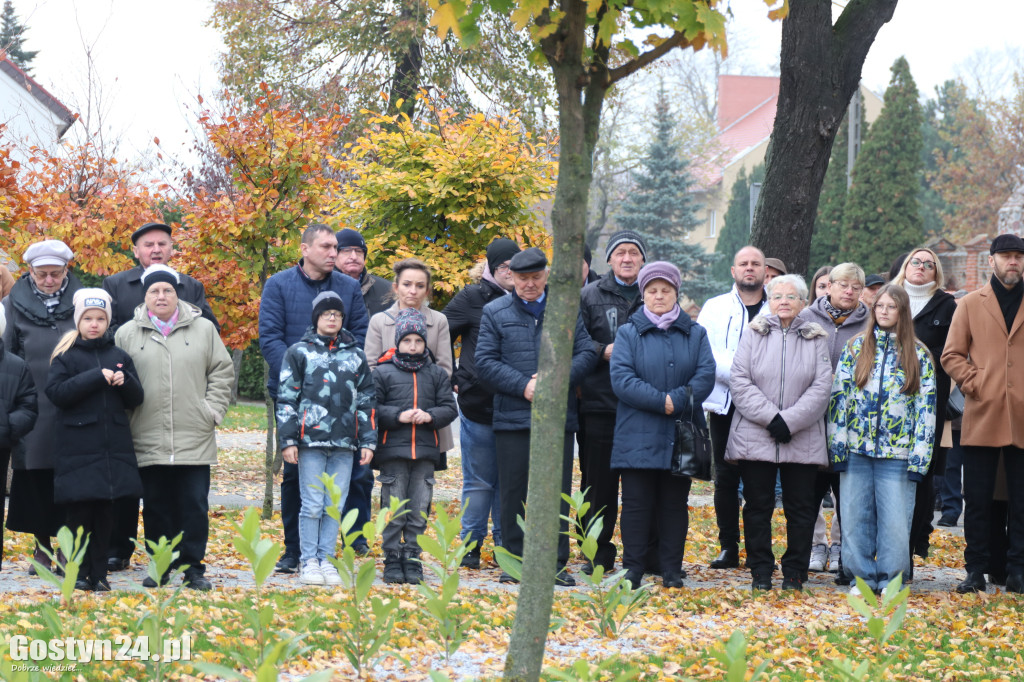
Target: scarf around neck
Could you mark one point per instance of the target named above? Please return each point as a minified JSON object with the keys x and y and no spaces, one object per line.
{"x":51,"y":301}
{"x":164,"y":328}
{"x":838,"y":316}
{"x":663,"y":321}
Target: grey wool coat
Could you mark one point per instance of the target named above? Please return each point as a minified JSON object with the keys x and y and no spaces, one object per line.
{"x":785,"y":372}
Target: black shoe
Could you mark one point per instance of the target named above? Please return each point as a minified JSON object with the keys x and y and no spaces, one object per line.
{"x":761,"y":582}
{"x":563,"y":579}
{"x":1015,"y":583}
{"x":100,"y":585}
{"x":672,"y":581}
{"x":150,"y":583}
{"x":842,"y":578}
{"x":472,"y":559}
{"x":360,"y":547}
{"x":83,"y":585}
{"x":975,"y":582}
{"x":634,"y":578}
{"x":412,"y":569}
{"x":506,"y":578}
{"x":948,"y":521}
{"x":287,"y":564}
{"x":114,"y":564}
{"x":196,"y":581}
{"x":790,"y":582}
{"x":394,"y":572}
{"x":729,"y":558}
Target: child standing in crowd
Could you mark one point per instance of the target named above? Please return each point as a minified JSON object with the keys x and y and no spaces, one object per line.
{"x":881,"y":425}
{"x":93,"y":382}
{"x":414,"y":401}
{"x":324,"y":417}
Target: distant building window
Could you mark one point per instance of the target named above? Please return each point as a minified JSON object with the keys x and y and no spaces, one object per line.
{"x":712,"y":229}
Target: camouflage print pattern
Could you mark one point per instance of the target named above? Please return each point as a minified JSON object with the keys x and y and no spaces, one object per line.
{"x":326,"y":396}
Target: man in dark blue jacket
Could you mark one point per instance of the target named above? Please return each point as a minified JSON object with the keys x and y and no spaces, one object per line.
{"x":285,"y":310}
{"x":507,"y":354}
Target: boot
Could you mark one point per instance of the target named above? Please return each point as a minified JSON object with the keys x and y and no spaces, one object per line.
{"x":393,"y":572}
{"x":472,"y":559}
{"x":41,"y":557}
{"x":412,"y":567}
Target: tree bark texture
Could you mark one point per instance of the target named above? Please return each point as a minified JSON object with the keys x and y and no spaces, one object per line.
{"x":271,"y":458}
{"x":820,"y":70}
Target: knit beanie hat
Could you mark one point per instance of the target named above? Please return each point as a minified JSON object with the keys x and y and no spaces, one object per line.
{"x":91,"y":299}
{"x":158,"y":272}
{"x":660,"y":269}
{"x":625,"y":237}
{"x":409,"y":321}
{"x":348,"y":238}
{"x":328,"y":300}
{"x":499,"y":251}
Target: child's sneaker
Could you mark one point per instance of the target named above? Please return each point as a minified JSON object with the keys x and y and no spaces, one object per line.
{"x":311,"y":573}
{"x":393,"y":571}
{"x":835,"y":561}
{"x":331,"y":576}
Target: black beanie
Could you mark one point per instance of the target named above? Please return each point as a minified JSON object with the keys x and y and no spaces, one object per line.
{"x":349,"y":237}
{"x":325,"y":301}
{"x":499,"y":251}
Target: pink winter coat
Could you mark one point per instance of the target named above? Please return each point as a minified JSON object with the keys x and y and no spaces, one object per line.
{"x":787,"y":372}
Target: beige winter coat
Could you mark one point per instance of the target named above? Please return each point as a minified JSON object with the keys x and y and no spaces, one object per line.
{"x":187,"y":380}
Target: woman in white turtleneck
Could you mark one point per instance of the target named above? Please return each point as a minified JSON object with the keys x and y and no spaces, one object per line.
{"x":932,"y":308}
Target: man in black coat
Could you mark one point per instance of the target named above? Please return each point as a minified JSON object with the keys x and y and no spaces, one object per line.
{"x":480,"y":495}
{"x":605,"y":305}
{"x":151,"y":243}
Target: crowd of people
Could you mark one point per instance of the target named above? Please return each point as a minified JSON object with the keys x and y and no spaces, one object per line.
{"x":830,"y":393}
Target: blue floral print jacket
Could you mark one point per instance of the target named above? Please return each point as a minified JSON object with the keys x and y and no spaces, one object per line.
{"x":878,"y":420}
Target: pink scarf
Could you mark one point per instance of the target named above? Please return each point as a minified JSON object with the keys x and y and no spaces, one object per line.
{"x":663,"y":321}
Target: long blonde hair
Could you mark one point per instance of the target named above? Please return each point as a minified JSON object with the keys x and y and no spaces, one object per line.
{"x":64,"y":344}
{"x":906,"y":342}
{"x":940,"y":279}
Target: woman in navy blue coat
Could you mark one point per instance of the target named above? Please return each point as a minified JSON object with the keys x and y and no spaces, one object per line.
{"x":660,"y":359}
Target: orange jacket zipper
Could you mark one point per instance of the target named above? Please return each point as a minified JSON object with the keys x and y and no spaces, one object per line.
{"x":415,"y":395}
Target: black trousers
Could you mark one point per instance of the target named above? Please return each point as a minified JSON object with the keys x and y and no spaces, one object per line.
{"x":291,"y":502}
{"x":513,"y":450}
{"x":980,"y":464}
{"x":727,"y":482}
{"x":650,"y":497}
{"x":602,"y":483}
{"x":800,"y":505}
{"x":96,"y":518}
{"x":175,"y":499}
{"x":125,"y":527}
{"x":924,"y":506}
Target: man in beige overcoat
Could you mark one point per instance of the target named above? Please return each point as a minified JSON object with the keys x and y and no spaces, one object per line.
{"x":984,"y":355}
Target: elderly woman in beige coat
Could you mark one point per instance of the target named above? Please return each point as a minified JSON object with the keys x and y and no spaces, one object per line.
{"x":186,"y":374}
{"x":781,"y":380}
{"x":411,"y":289}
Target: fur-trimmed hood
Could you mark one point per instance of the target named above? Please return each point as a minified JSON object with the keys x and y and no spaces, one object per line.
{"x":763,"y":325}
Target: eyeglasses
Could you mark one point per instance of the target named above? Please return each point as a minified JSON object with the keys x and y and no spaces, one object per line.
{"x":788,"y":297}
{"x":926,"y":264}
{"x":331,"y":315}
{"x":887,"y":307}
{"x":849,"y":285}
{"x":42,"y":276}
{"x":348,"y":250}
{"x":502,"y":268}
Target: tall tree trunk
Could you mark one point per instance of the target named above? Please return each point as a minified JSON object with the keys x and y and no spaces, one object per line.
{"x":405,"y":82}
{"x":271,"y":459}
{"x":236,"y":361}
{"x":820,"y":70}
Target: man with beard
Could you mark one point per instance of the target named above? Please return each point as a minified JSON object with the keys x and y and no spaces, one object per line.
{"x":984,"y":355}
{"x":725,"y":318}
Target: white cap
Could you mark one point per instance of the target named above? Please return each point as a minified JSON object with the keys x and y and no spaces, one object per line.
{"x":48,"y":252}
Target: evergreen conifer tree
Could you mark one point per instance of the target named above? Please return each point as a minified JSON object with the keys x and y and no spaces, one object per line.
{"x":939,"y":133}
{"x":736,"y":230}
{"x":12,"y":38}
{"x":662,"y":208}
{"x":882,"y":217}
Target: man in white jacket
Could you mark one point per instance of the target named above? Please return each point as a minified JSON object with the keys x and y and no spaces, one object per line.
{"x":725,"y":318}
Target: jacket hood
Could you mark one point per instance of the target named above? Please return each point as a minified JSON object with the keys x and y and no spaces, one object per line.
{"x":186,"y":314}
{"x":764,"y":324}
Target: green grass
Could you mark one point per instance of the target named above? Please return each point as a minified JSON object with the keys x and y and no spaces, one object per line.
{"x":249,"y":416}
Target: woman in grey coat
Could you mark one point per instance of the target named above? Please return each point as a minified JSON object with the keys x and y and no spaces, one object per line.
{"x":780,"y":383}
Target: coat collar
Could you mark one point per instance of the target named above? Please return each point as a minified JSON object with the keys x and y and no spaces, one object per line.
{"x":990,"y":304}
{"x":937,"y":299}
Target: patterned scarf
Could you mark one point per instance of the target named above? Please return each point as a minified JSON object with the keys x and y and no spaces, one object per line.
{"x":410,"y":362}
{"x":51,"y":301}
{"x":164,"y":327}
{"x":838,"y":316}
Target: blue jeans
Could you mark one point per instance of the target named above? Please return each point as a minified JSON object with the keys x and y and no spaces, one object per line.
{"x":877,"y":501}
{"x":480,"y":494}
{"x":318,"y":532}
{"x":950,"y":483}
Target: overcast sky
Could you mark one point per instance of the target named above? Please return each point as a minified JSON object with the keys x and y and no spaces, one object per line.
{"x":153,"y":56}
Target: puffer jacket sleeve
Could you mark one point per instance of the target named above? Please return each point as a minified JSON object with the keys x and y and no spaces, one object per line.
{"x":812,"y":403}
{"x":22,"y":409}
{"x":838,"y":418}
{"x":495,"y":374}
{"x":625,"y":374}
{"x":584,"y":354}
{"x":703,"y":380}
{"x":924,"y":422}
{"x":357,"y":319}
{"x":272,"y":324}
{"x":749,"y":399}
{"x":65,"y":389}
{"x":387,"y":414}
{"x":220,"y":373}
{"x":366,"y":403}
{"x":289,"y":390}
{"x":444,"y":411}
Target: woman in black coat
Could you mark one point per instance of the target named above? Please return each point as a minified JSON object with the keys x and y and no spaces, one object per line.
{"x":921,"y":276}
{"x":93,"y":382}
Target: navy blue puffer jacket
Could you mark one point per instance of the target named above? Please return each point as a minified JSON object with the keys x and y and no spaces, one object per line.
{"x":507,"y":350}
{"x":647,"y":364}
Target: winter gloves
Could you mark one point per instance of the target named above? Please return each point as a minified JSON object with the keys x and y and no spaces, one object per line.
{"x":779,"y":430}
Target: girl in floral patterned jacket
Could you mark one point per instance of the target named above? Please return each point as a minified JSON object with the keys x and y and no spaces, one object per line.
{"x":881,"y":426}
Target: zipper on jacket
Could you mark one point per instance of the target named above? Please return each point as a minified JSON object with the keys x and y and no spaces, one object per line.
{"x":170,"y":384}
{"x":782,"y":386}
{"x":881,"y":398}
{"x":415,"y":403}
{"x":302,"y":425}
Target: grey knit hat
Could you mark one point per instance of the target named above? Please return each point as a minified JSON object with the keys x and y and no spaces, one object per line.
{"x":625,"y":237}
{"x":324,"y":301}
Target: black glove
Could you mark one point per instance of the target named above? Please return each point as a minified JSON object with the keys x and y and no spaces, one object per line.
{"x":779,"y":430}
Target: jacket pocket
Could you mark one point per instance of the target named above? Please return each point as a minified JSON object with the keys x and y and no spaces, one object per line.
{"x":79,"y":419}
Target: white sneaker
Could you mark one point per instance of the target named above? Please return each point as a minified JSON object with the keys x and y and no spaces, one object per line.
{"x":819,"y":558}
{"x":855,"y":591}
{"x":331,"y":576}
{"x":311,"y":573}
{"x":835,"y":551}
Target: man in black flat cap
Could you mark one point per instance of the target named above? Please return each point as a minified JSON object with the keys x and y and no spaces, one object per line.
{"x":151,"y":243}
{"x":507,"y":356}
